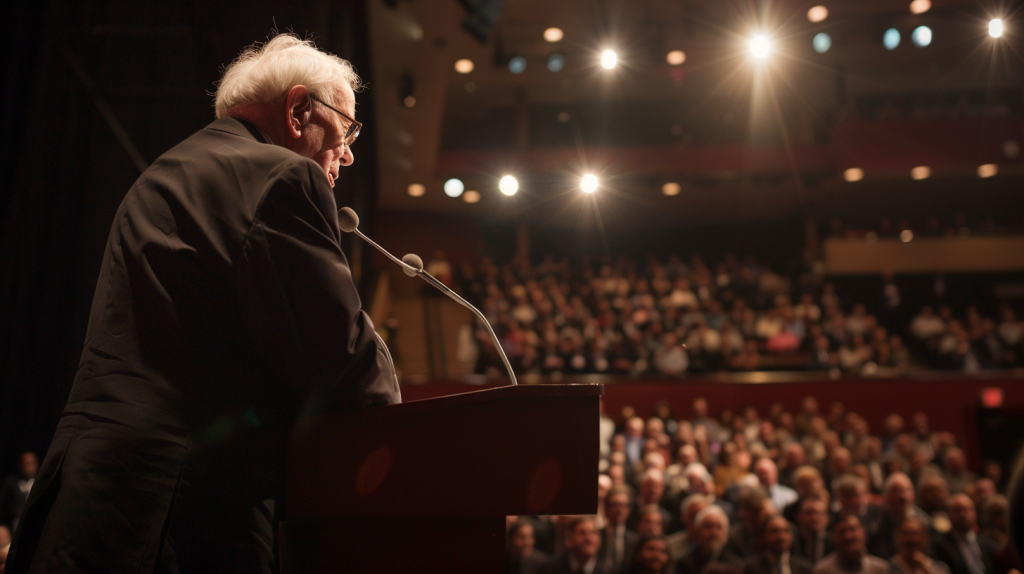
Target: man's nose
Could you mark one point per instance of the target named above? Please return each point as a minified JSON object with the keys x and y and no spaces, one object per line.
{"x":346,"y":156}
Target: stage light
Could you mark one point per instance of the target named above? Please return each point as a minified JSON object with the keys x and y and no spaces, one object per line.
{"x":588,"y":183}
{"x":508,"y":185}
{"x":920,"y":6}
{"x":675,"y":57}
{"x":409,"y":101}
{"x":821,"y":42}
{"x":453,"y":187}
{"x":553,"y":34}
{"x":921,"y":172}
{"x":464,"y":66}
{"x":671,"y":188}
{"x":921,"y":36}
{"x":853,"y":174}
{"x":556,"y":62}
{"x":987,"y":170}
{"x":906,"y":236}
{"x":517,"y":65}
{"x":760,"y":47}
{"x":609,"y":59}
{"x":891,"y":39}
{"x":471,"y":196}
{"x":817,"y":14}
{"x":995,"y":28}
{"x":416,"y":189}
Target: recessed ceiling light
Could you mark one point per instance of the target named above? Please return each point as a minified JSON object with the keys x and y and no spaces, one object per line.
{"x":853,"y":174}
{"x":921,"y":172}
{"x":675,"y":57}
{"x":920,"y":6}
{"x":987,"y":170}
{"x":416,"y":189}
{"x":553,"y":34}
{"x":817,"y":14}
{"x":464,"y":66}
{"x":671,"y":188}
{"x":471,"y":196}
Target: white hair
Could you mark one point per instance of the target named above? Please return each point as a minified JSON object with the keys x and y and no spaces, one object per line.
{"x":712,"y":510}
{"x":265,"y":72}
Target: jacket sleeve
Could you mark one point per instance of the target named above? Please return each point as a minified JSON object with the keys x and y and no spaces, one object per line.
{"x":300,"y":304}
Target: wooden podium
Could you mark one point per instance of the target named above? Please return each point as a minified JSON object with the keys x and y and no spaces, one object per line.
{"x":425,"y":486}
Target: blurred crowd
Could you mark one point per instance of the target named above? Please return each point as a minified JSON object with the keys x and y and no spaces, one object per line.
{"x":776,"y":493}
{"x":13,"y":494}
{"x":673,"y":317}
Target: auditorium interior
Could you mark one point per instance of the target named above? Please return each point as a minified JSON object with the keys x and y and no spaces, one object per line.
{"x":786,"y":237}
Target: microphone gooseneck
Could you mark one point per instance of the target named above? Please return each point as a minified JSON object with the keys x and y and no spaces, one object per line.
{"x":412,"y":265}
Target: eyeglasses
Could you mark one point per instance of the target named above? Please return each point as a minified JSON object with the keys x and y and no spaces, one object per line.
{"x":354,"y":127}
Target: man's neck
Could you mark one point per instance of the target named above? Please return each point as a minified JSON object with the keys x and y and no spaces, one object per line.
{"x":261,"y":116}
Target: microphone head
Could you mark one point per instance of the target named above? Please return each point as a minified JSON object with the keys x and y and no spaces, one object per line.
{"x":414,"y":261}
{"x":348,"y":221}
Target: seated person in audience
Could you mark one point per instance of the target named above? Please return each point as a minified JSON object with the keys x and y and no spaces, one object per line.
{"x":582,"y":543}
{"x":851,"y":555}
{"x":712,"y":530}
{"x":793,"y":457}
{"x":652,"y":491}
{"x":912,"y":539}
{"x":852,"y":497}
{"x":753,"y":507}
{"x":651,"y":522}
{"x":934,"y":495}
{"x":651,"y":556}
{"x":522,"y":557}
{"x":962,"y":548}
{"x":617,"y":541}
{"x":899,"y":504}
{"x":812,"y":540}
{"x":775,"y":556}
{"x":683,"y":541}
{"x":956,"y":473}
{"x":701,"y":483}
{"x":781,"y":496}
{"x":807,"y":482}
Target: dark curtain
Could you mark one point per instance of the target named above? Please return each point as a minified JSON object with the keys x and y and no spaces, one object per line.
{"x":92,"y":92}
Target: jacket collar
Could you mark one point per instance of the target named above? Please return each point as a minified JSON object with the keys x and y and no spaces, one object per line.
{"x":239,"y":127}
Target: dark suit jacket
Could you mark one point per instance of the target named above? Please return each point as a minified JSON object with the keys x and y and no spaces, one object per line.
{"x":946,"y":549}
{"x":560,"y":565}
{"x":760,"y":565}
{"x":805,"y":548}
{"x":629,"y":542}
{"x":694,"y":563}
{"x":224,"y":310}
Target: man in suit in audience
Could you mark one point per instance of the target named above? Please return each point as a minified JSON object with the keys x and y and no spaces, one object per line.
{"x":781,"y":496}
{"x":851,"y":493}
{"x":754,"y":506}
{"x":712,"y":528}
{"x":812,"y":541}
{"x":851,"y":556}
{"x":617,"y":542}
{"x":582,"y":543}
{"x":962,"y":548}
{"x":652,"y":489}
{"x":775,"y":556}
{"x":681,"y":542}
{"x":899,"y":502}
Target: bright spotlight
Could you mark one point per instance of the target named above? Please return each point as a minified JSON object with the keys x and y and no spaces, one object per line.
{"x":760,"y":47}
{"x":671,"y":188}
{"x":987,"y":170}
{"x":675,"y":57}
{"x":920,"y":6}
{"x":553,"y":34}
{"x":853,"y":174}
{"x":453,"y":187}
{"x":821,"y":42}
{"x":817,"y":14}
{"x":471,"y":196}
{"x":891,"y":39}
{"x":921,"y":172}
{"x":508,"y":185}
{"x":995,"y":28}
{"x":416,"y":189}
{"x":464,"y":66}
{"x":922,"y":36}
{"x":589,"y":183}
{"x":609,"y":59}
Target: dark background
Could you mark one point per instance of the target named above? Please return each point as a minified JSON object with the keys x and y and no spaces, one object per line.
{"x":93,"y":92}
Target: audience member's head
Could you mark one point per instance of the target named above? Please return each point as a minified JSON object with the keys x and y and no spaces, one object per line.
{"x":582,"y":538}
{"x":962,"y":513}
{"x":806,"y":481}
{"x":651,"y":521}
{"x":651,"y":555}
{"x":899,"y":494}
{"x":848,"y":537}
{"x":28,"y":465}
{"x":852,"y":494}
{"x":520,"y":539}
{"x":712,"y":527}
{"x":652,"y":486}
{"x":690,"y":508}
{"x":910,"y":537}
{"x":934,"y":493}
{"x":766,"y":472}
{"x":813,"y":515}
{"x":617,"y":505}
{"x":776,"y":535}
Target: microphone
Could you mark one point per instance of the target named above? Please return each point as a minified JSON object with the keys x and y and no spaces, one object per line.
{"x":412,"y":265}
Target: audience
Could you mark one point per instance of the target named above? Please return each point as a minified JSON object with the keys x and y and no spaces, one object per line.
{"x":887,"y":504}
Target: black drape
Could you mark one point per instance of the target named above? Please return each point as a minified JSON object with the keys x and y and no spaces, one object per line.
{"x":92,"y":91}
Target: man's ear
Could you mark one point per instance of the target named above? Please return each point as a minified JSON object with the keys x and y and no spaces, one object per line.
{"x":298,"y":110}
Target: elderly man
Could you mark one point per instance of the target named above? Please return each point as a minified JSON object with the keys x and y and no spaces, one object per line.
{"x":681,"y":542}
{"x":225,"y":309}
{"x":712,"y":530}
{"x":753,"y":508}
{"x":899,"y":503}
{"x":781,"y":496}
{"x":617,"y":541}
{"x":850,"y":556}
{"x":962,"y":548}
{"x":812,"y":539}
{"x":775,"y":557}
{"x":581,"y":551}
{"x":852,"y":498}
{"x":652,"y":490}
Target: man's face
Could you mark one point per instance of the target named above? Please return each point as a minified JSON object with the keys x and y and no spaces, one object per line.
{"x":900,"y":496}
{"x":522,"y":541}
{"x":934,"y":494}
{"x":910,"y":537}
{"x":849,"y":537}
{"x":962,"y":514}
{"x":323,"y":136}
{"x":651,"y":523}
{"x":813,"y":516}
{"x":691,"y":512}
{"x":653,"y":555}
{"x":584,"y":540}
{"x":711,"y":532}
{"x":766,"y":473}
{"x":778,"y":538}
{"x":617,"y":509}
{"x":852,"y":500}
{"x":28,"y":465}
{"x":652,"y":489}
